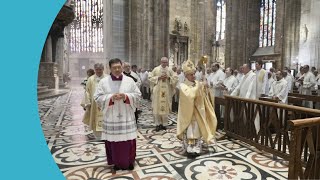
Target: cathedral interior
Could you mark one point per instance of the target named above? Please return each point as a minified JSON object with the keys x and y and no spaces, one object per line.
{"x":281,"y":33}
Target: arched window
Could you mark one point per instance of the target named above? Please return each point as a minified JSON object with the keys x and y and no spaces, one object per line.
{"x":267,"y":23}
{"x":86,"y":30}
{"x":221,"y":19}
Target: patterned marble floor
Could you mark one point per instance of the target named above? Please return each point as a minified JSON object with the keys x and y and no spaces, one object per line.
{"x":81,"y":157}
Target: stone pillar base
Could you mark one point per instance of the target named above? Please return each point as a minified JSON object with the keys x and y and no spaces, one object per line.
{"x":48,"y":75}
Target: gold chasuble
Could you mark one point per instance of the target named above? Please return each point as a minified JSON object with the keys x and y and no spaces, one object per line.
{"x":93,"y":117}
{"x":195,"y":105}
{"x":196,"y":101}
{"x":162,"y":91}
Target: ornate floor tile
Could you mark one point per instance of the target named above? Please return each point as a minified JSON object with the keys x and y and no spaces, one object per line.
{"x":159,"y":154}
{"x":148,"y":161}
{"x":79,"y":154}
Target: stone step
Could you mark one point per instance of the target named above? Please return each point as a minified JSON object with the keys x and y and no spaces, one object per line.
{"x":40,"y":88}
{"x":52,"y":93}
{"x":43,"y":91}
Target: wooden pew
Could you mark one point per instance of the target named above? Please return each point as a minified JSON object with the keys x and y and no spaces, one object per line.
{"x":295,"y":101}
{"x":313,"y":98}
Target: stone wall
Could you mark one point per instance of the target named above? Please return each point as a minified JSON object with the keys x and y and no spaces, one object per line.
{"x":148,"y":32}
{"x":202,"y":29}
{"x":180,"y":9}
{"x":309,"y":45}
{"x":79,"y":63}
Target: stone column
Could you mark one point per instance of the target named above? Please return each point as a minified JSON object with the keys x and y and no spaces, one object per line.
{"x":48,"y":50}
{"x":290,"y":31}
{"x":134,"y":32}
{"x":107,"y":29}
{"x":210,"y":27}
{"x":242,"y":31}
{"x":60,"y":60}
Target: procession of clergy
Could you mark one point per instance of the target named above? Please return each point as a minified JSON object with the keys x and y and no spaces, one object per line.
{"x":112,"y":102}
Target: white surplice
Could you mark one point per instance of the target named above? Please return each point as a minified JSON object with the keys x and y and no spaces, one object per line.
{"x":309,"y":81}
{"x":231,"y":83}
{"x":198,"y":75}
{"x":215,"y":79}
{"x":119,"y":121}
{"x":270,"y":81}
{"x":247,"y":87}
{"x":262,"y":79}
{"x":280,"y":90}
{"x":289,"y":83}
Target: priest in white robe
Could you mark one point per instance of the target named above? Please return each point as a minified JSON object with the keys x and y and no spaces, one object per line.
{"x":279,"y":89}
{"x":270,"y":81}
{"x":262,"y":80}
{"x":273,"y":74}
{"x":93,"y":116}
{"x":317,"y":88}
{"x":230,"y":82}
{"x":199,"y":73}
{"x":196,"y":118}
{"x":247,"y":89}
{"x":117,"y":96}
{"x":181,"y":78}
{"x":216,"y":79}
{"x":288,"y":79}
{"x":292,"y":80}
{"x":309,"y":80}
{"x":145,"y":90}
{"x":247,"y":86}
{"x":127,"y":71}
{"x":239,"y":75}
{"x":164,"y":82}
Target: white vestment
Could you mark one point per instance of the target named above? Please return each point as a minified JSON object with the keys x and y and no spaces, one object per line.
{"x":317,"y":81}
{"x":198,"y":75}
{"x":231,"y":83}
{"x":93,"y":116}
{"x":119,"y":121}
{"x":181,"y":79}
{"x":309,"y":81}
{"x":216,"y":78}
{"x":137,"y":77}
{"x":289,"y":83}
{"x":144,"y":80}
{"x":292,"y":82}
{"x":318,"y":90}
{"x":247,"y":87}
{"x":280,"y":90}
{"x":239,"y":77}
{"x":208,"y":76}
{"x":262,"y":79}
{"x":270,"y":81}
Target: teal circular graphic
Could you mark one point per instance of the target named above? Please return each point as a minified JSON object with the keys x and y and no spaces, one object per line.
{"x":24,"y":28}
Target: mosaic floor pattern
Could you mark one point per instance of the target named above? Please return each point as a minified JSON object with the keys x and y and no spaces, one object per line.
{"x":81,"y":157}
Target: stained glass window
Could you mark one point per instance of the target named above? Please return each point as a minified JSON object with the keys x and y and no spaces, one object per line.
{"x":86,"y":31}
{"x":221,"y":19}
{"x":267,"y":22}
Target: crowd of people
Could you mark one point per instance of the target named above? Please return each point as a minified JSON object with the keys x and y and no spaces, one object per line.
{"x":112,"y":102}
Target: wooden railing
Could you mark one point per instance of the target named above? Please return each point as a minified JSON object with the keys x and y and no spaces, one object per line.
{"x":304,"y":162}
{"x":274,"y":135}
